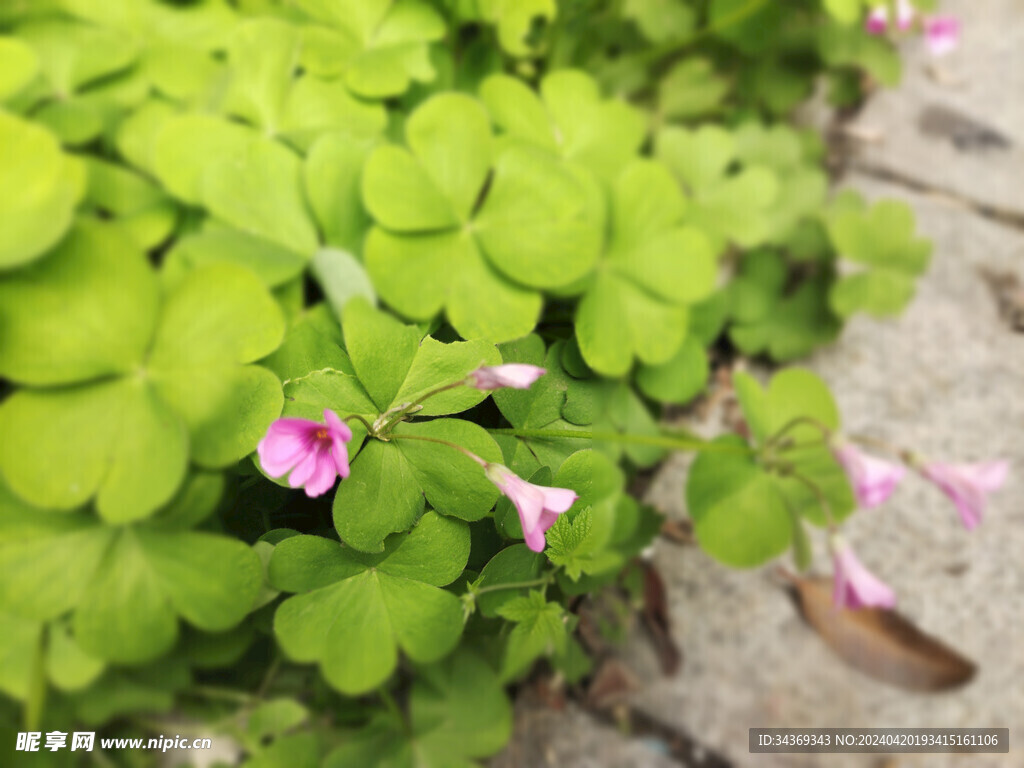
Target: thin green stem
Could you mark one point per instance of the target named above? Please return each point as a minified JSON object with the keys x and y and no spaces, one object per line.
{"x":514,"y":585}
{"x":876,"y":443}
{"x":673,"y":442}
{"x":400,"y":413}
{"x":460,"y":383}
{"x":458,"y":448}
{"x":361,"y":420}
{"x":789,"y":426}
{"x":822,"y":499}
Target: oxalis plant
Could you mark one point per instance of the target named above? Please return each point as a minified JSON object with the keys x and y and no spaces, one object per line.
{"x":458,"y":254}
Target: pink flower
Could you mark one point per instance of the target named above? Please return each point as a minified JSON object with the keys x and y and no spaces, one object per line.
{"x":315,"y":452}
{"x":878,"y":19}
{"x":515,"y":375}
{"x":967,"y":485}
{"x":538,"y":505}
{"x":942,"y":34}
{"x":873,"y":479}
{"x":855,"y":586}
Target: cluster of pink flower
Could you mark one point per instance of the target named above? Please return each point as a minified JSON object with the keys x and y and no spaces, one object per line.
{"x":873,"y":480}
{"x":315,"y":453}
{"x":941,"y":33}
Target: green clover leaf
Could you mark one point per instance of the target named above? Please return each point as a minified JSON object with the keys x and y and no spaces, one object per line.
{"x":131,"y":386}
{"x":569,"y":118}
{"x":356,"y":610}
{"x":680,"y":379}
{"x":743,"y":513}
{"x":511,"y":565}
{"x":458,"y":711}
{"x":135,"y":203}
{"x":275,"y":265}
{"x":882,"y":240}
{"x":333,"y":176}
{"x":378,"y":46}
{"x":39,"y":189}
{"x":692,"y":87}
{"x":437,"y":246}
{"x":652,"y":268}
{"x":726,"y":206}
{"x":850,"y":46}
{"x":515,"y":20}
{"x":75,"y":62}
{"x":802,"y":183}
{"x":19,"y":64}
{"x":125,"y":585}
{"x":243,"y":178}
{"x":384,"y":365}
{"x":768,"y":319}
{"x":661,"y":21}
{"x":265,"y":55}
{"x":555,"y":401}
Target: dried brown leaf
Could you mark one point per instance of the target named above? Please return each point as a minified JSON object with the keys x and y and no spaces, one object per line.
{"x":882,"y":644}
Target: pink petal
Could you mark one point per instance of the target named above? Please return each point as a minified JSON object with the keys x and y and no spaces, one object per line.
{"x":336,"y":426}
{"x":547,"y":519}
{"x":877,"y":21}
{"x":856,"y":586}
{"x":558,"y":499}
{"x":339,"y":452}
{"x":301,"y":474}
{"x":529,"y":502}
{"x":989,"y":475}
{"x":966,"y":485}
{"x":873,"y":479}
{"x":323,"y":475}
{"x":515,"y":375}
{"x":942,"y":34}
{"x":905,"y":14}
{"x":286,"y":442}
{"x":535,"y":539}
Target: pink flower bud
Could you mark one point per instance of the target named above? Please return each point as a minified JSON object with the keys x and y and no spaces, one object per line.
{"x":515,"y":375}
{"x":968,"y":485}
{"x":854,"y":585}
{"x":873,"y":479}
{"x":315,"y":453}
{"x":538,"y":506}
